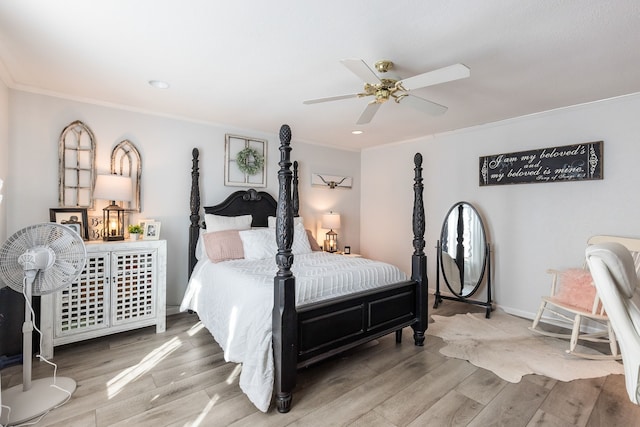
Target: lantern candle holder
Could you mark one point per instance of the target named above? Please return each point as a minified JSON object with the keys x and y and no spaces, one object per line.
{"x":113,"y":188}
{"x":331,"y":221}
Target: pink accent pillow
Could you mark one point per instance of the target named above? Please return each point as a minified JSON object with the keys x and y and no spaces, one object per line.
{"x":313,"y":242}
{"x":223,"y":245}
{"x":576,"y":288}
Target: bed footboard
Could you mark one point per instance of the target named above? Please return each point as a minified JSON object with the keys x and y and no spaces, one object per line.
{"x":332,"y":326}
{"x":318,"y":331}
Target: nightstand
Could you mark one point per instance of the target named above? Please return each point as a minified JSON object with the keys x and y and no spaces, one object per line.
{"x":122,"y":287}
{"x":352,"y":255}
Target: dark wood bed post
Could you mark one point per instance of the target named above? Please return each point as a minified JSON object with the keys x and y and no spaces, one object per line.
{"x":194,"y":228}
{"x":419,"y":259}
{"x":460,"y":246}
{"x":296,"y":198}
{"x":284,"y":317}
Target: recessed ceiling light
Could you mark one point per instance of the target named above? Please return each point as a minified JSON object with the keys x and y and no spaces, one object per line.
{"x":159,"y":84}
{"x":357,"y":132}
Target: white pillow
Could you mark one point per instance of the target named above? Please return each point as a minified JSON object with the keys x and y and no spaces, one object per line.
{"x":258,"y":243}
{"x":300,"y":243}
{"x":261,"y":243}
{"x":223,"y":223}
{"x":272,"y":221}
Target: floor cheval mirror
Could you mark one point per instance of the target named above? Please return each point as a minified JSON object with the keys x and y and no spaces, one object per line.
{"x":463,"y":257}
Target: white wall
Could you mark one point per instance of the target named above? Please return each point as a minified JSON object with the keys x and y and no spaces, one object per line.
{"x":4,"y":156}
{"x":320,"y":200}
{"x":165,"y":146}
{"x":531,"y":227}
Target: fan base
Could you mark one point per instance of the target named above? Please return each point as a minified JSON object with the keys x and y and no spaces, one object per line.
{"x":41,"y":398}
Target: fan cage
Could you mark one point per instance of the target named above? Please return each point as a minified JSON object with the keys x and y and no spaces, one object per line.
{"x":66,"y":244}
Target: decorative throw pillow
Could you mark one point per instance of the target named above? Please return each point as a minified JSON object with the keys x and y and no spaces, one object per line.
{"x":576,"y":288}
{"x":223,"y":245}
{"x":221,"y":223}
{"x":313,"y":243}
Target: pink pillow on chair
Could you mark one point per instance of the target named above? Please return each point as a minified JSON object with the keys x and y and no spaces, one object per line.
{"x":576,"y":288}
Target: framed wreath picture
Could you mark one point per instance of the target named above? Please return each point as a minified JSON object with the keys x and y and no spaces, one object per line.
{"x":245,"y":161}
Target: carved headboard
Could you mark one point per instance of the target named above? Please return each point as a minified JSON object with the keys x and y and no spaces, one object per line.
{"x":259,"y":204}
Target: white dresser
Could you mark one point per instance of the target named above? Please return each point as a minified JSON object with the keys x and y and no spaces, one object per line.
{"x":122,"y":287}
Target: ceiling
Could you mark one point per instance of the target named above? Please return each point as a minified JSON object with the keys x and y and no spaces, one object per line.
{"x":250,"y":64}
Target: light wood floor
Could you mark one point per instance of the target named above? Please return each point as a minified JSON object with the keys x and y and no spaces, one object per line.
{"x":179,"y":378}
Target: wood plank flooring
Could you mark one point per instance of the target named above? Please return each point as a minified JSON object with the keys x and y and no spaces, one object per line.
{"x":180,"y":378}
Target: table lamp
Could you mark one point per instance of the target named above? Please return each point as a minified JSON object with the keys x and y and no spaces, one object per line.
{"x":113,"y":188}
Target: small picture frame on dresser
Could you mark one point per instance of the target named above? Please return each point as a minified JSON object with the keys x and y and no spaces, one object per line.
{"x":151,"y":230}
{"x":74,"y":218}
{"x":347,"y":250}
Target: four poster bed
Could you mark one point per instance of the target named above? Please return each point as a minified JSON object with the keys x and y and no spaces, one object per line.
{"x":316,"y":305}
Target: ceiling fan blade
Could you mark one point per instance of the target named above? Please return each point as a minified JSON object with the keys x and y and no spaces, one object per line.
{"x":370,"y":110}
{"x":331,"y":98}
{"x":441,"y":75}
{"x":361,"y":69}
{"x":423,"y":105}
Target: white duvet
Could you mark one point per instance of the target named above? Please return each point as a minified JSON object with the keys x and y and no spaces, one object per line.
{"x":234,"y":300}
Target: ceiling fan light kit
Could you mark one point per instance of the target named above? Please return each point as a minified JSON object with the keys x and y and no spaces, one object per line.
{"x":383,"y":89}
{"x":383,"y":65}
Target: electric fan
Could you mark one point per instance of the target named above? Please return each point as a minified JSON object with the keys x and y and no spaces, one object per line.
{"x":38,"y":260}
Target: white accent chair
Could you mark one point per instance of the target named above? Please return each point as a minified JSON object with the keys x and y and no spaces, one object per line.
{"x":614,"y":273}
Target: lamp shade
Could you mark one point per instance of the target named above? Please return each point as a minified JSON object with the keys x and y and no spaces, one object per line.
{"x":113,"y":187}
{"x":331,"y":221}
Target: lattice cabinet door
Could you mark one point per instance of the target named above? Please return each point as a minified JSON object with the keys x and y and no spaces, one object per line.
{"x":122,"y":287}
{"x":133,"y":285}
{"x":84,"y":305}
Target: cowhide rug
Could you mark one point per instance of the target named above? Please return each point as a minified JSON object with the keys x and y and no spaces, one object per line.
{"x":504,"y":345}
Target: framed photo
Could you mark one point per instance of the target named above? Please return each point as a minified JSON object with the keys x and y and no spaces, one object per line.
{"x":151,"y":230}
{"x":245,"y":161}
{"x":74,"y":218}
{"x":143,"y":222}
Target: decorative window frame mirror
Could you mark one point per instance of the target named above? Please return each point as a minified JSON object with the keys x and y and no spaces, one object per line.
{"x":76,"y":166}
{"x":126,"y":161}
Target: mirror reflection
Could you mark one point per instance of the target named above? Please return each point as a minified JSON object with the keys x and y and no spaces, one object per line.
{"x":463,"y":249}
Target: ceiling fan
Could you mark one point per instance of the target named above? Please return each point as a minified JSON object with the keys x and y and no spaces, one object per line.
{"x":383,"y":89}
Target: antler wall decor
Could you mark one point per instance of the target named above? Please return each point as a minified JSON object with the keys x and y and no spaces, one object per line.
{"x":331,"y":181}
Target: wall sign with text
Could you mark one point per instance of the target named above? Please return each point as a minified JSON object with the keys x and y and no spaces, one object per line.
{"x":578,"y":162}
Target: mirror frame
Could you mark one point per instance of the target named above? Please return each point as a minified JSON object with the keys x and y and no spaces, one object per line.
{"x":485,"y":253}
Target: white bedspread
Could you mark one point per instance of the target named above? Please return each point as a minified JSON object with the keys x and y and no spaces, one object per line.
{"x":234,"y":300}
